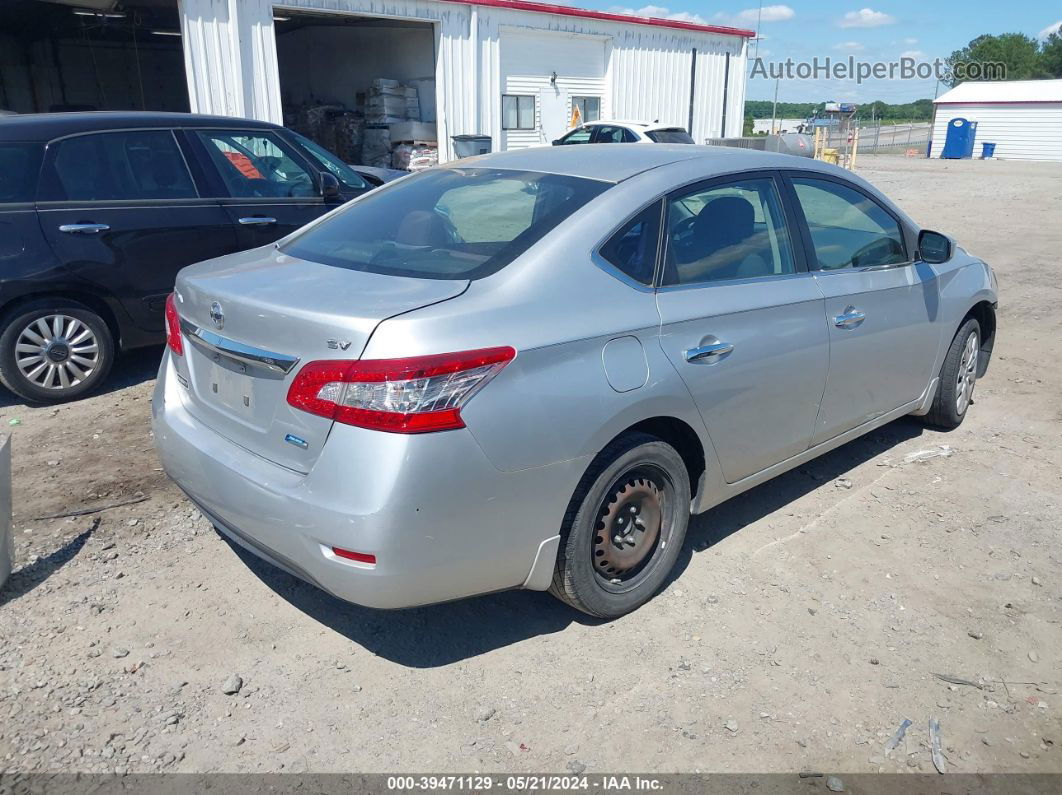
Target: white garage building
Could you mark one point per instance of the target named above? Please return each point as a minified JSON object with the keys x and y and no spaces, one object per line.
{"x":1023,"y":118}
{"x":510,"y":69}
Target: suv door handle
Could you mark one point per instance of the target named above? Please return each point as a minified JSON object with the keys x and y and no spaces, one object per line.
{"x":83,"y":229}
{"x":851,"y":318}
{"x":257,"y":220}
{"x":709,"y":353}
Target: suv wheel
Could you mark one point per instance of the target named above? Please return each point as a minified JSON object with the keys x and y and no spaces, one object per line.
{"x":54,"y":350}
{"x":625,"y":527}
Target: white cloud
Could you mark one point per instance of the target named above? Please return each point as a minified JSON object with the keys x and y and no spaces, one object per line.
{"x":917,"y":55}
{"x":1055,"y":28}
{"x":865,"y":18}
{"x":849,"y":46}
{"x":660,"y":12}
{"x":910,"y":42}
{"x":768,"y":14}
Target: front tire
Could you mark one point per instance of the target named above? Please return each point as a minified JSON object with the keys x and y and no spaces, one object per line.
{"x":54,"y":350}
{"x":624,"y":528}
{"x":958,"y":376}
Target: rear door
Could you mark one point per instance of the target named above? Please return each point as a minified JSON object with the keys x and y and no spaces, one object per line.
{"x":879,"y":303}
{"x":741,"y":320}
{"x":266,"y":186}
{"x":121,"y":210}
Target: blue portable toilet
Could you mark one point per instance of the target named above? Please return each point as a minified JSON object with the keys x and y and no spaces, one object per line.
{"x":959,"y":143}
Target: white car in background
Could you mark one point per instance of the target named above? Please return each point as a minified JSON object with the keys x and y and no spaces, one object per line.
{"x":609,"y":131}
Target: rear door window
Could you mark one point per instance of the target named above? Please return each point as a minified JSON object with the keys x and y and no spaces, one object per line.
{"x":257,"y":164}
{"x":19,"y":165}
{"x":610,"y":134}
{"x":130,"y":165}
{"x":445,"y":223}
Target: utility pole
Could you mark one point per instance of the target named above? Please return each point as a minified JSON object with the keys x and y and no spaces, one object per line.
{"x":759,"y":18}
{"x":774,"y":111}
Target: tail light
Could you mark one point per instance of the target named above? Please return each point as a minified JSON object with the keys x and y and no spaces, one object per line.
{"x":416,"y":395}
{"x":173,"y":327}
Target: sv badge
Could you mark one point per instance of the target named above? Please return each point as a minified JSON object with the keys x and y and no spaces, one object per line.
{"x":338,"y":345}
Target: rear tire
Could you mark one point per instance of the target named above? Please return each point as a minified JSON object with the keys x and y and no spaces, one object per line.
{"x":54,"y":350}
{"x":624,"y":527}
{"x":958,"y":376}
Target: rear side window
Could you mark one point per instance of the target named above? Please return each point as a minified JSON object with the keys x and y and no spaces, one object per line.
{"x":848,"y":229}
{"x":676,"y":136}
{"x":633,"y":248}
{"x":607,"y":134}
{"x":138,"y":164}
{"x":445,"y":223}
{"x":19,"y":164}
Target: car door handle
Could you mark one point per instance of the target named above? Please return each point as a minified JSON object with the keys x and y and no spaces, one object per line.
{"x":850,"y":318}
{"x":709,"y":353}
{"x":257,"y":220}
{"x":83,"y":229}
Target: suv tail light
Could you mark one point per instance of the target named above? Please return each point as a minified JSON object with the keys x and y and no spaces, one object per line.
{"x":173,"y":327}
{"x":415,"y":395}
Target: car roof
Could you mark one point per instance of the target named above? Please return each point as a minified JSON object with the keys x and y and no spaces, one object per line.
{"x":47,"y":126}
{"x":643,"y":125}
{"x":617,"y":162}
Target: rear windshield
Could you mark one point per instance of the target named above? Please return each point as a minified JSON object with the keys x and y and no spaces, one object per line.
{"x":463,"y":223}
{"x":19,"y":164}
{"x":676,"y":136}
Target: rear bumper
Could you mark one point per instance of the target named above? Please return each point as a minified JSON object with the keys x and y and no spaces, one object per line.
{"x":442,"y":521}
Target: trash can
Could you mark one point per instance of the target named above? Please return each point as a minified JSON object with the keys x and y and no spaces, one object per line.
{"x":5,"y":510}
{"x":471,"y":145}
{"x":987,"y":150}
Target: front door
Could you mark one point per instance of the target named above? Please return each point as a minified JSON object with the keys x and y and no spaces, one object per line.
{"x":553,"y":109}
{"x":120,"y":210}
{"x":270,"y":190}
{"x":878,"y":304}
{"x":742,"y":322}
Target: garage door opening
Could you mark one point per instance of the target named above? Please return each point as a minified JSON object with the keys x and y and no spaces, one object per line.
{"x":363,"y":87}
{"x":56,"y":56}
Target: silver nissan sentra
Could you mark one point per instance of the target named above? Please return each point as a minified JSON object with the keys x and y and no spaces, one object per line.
{"x":529,"y":369}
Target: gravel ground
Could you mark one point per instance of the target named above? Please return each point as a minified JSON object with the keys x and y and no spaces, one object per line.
{"x":805,"y":621}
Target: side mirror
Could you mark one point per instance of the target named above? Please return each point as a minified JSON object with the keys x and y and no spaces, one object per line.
{"x":934,"y":247}
{"x":329,"y":185}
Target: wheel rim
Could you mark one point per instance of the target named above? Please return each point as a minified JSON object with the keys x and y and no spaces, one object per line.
{"x":57,"y":352}
{"x":967,"y":376}
{"x":632,"y":528}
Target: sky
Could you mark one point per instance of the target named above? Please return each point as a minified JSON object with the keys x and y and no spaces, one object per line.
{"x":869,"y":30}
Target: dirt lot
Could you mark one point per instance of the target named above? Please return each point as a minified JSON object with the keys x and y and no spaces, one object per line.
{"x":806,"y":620}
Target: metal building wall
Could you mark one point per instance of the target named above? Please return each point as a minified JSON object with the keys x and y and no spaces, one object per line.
{"x":1020,"y":131}
{"x":231,"y":62}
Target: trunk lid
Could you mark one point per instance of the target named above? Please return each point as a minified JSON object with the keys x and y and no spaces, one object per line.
{"x":251,"y":320}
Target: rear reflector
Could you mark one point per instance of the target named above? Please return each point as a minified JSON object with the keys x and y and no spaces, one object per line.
{"x":420,"y":394}
{"x":360,"y":557}
{"x":173,"y":326}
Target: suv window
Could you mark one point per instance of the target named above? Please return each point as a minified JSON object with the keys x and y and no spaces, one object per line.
{"x":848,"y":229}
{"x":633,"y":248}
{"x":257,"y":164}
{"x":675,"y":136}
{"x":609,"y":134}
{"x":731,"y":231}
{"x":445,"y":223}
{"x":19,"y":164}
{"x":580,"y":136}
{"x":137,"y":164}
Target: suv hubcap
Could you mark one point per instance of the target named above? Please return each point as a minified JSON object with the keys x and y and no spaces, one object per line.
{"x":57,"y":352}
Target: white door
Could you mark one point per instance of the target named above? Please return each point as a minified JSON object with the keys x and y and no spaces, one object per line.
{"x":553,"y":109}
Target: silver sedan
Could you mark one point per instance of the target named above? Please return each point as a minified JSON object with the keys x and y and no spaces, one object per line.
{"x":529,"y":369}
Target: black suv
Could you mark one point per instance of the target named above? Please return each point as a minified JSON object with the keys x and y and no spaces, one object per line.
{"x":98,"y":212}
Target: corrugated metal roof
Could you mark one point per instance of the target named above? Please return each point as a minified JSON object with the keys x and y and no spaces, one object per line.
{"x":1003,"y":92}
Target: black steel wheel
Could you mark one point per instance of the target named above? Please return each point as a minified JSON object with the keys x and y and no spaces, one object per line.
{"x":624,"y":528}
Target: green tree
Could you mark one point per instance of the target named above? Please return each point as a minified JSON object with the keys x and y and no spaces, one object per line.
{"x":1051,"y":55}
{"x":1019,"y":55}
{"x":750,"y":123}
